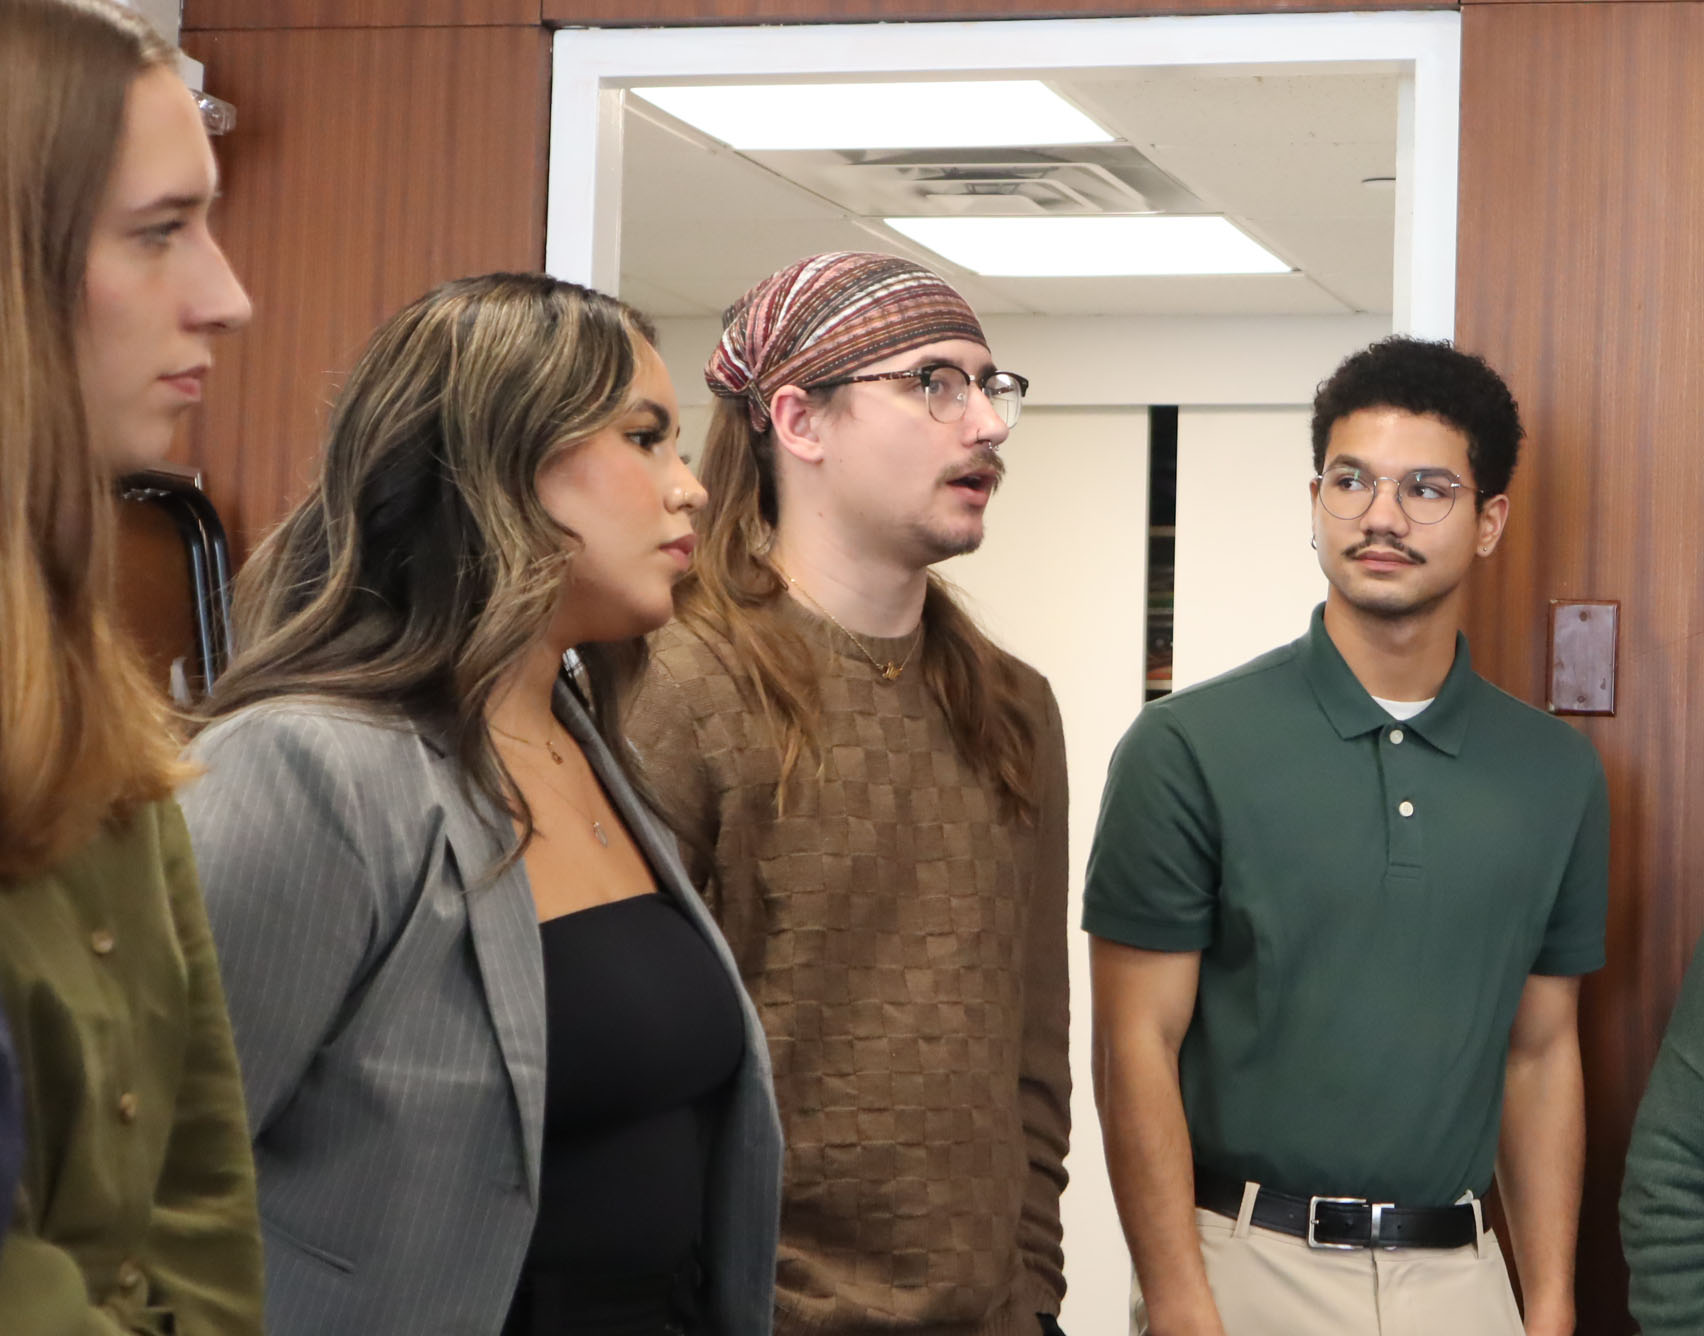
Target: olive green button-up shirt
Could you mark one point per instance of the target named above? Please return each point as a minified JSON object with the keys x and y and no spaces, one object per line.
{"x":1369,"y":897}
{"x":136,"y":1209}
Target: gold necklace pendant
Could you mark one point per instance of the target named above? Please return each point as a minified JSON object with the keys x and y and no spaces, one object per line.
{"x":889,"y":670}
{"x":547,"y":744}
{"x":598,"y":832}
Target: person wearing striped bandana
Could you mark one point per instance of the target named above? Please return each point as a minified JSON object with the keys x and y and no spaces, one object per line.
{"x":872,"y":796}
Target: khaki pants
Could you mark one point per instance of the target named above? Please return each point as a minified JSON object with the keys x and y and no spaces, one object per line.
{"x":1270,"y":1284}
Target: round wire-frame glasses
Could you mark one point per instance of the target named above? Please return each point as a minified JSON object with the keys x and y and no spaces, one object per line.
{"x":946,"y":389}
{"x":1425,"y":496}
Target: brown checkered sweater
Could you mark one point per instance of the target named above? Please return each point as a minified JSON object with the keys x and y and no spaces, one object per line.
{"x":906,"y":949}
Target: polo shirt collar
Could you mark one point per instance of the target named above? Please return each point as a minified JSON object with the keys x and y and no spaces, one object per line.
{"x":1353,"y":712}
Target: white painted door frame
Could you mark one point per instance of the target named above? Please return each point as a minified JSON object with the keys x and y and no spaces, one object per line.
{"x":595,"y":67}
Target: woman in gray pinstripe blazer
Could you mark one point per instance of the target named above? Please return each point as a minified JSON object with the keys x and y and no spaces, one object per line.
{"x":489,"y":1035}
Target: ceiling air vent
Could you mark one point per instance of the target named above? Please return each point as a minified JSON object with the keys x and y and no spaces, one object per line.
{"x":1075,"y":180}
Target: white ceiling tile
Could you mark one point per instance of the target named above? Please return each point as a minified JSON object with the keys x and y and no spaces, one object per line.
{"x":713,"y":266}
{"x":1185,"y":106}
{"x":1352,"y":258}
{"x":1306,"y":180}
{"x":669,"y":176}
{"x":1262,"y":294}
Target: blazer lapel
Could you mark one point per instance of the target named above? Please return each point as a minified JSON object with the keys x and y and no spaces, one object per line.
{"x":503,"y":924}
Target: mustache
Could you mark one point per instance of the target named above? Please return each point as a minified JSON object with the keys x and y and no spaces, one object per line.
{"x":986,"y":459}
{"x":1385,"y":541}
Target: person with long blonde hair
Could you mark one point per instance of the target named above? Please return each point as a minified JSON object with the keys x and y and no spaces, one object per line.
{"x":136,"y":1209}
{"x":501,"y":1071}
{"x":875,"y":795}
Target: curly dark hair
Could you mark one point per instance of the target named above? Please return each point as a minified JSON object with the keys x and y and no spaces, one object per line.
{"x":1430,"y":378}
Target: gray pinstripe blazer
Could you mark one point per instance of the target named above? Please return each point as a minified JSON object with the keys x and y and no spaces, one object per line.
{"x":390,"y":1017}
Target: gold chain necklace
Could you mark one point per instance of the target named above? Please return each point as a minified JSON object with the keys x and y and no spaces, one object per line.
{"x":598,"y":832}
{"x":547,"y":744}
{"x":889,"y":669}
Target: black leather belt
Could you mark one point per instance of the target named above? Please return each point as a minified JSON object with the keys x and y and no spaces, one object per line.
{"x":1341,"y":1222}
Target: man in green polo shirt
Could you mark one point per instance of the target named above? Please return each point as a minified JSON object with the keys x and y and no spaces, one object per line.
{"x":1340,"y":899}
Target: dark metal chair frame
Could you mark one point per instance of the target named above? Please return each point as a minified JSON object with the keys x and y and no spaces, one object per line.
{"x":178,"y":493}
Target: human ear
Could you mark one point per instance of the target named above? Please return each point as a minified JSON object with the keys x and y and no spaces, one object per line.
{"x":1493,"y":515}
{"x":793,"y":423}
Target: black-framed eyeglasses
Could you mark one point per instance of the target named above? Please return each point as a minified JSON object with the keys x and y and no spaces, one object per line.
{"x":946,"y":389}
{"x":1426,"y":496}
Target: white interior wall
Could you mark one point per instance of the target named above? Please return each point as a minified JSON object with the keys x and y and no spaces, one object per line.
{"x":1061,"y":581}
{"x":1246,"y":576}
{"x":165,"y":15}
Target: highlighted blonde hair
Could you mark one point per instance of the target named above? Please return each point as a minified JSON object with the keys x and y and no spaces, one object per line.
{"x":422,"y":565}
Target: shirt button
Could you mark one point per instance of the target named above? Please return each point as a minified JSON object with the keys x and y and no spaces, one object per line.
{"x":101,"y":942}
{"x":1396,"y":737}
{"x":1405,"y":807}
{"x":127,"y":1107}
{"x":129,"y":1275}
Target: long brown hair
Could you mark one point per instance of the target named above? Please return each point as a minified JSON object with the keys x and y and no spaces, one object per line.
{"x":84,"y":736}
{"x":734,"y":592}
{"x":422,"y":564}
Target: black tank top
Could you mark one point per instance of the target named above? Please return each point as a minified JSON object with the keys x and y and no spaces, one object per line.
{"x":644,"y":1034}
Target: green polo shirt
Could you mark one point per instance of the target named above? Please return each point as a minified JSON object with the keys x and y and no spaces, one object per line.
{"x":1369,"y":898}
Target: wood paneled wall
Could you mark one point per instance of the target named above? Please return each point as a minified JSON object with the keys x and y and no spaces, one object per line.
{"x":1582,"y":278}
{"x":367,"y":165}
{"x":639,"y":13}
{"x":219,"y":14}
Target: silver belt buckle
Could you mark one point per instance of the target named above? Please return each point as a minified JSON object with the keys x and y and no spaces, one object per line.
{"x":1313,"y":1221}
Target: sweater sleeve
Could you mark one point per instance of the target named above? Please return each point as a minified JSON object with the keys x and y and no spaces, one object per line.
{"x":44,"y":1282}
{"x":203,"y":1249}
{"x":1045,"y":1076}
{"x":1662,"y":1195}
{"x":189,"y":1227}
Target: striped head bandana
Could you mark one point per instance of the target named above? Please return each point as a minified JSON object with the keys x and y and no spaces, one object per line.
{"x":827,"y":316}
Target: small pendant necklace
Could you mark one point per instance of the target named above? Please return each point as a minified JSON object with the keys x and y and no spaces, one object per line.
{"x":598,"y":832}
{"x":547,"y":744}
{"x":887,"y":668}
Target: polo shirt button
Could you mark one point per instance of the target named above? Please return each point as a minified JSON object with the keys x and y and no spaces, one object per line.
{"x":101,"y":942}
{"x":127,"y":1107}
{"x":129,"y":1275}
{"x":1405,"y":807}
{"x":1396,"y":737}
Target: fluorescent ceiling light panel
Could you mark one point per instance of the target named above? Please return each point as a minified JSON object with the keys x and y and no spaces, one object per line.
{"x":1096,"y":247}
{"x":990,"y":114}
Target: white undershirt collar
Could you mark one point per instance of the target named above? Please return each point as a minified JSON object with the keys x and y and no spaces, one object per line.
{"x":1403,"y":709}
